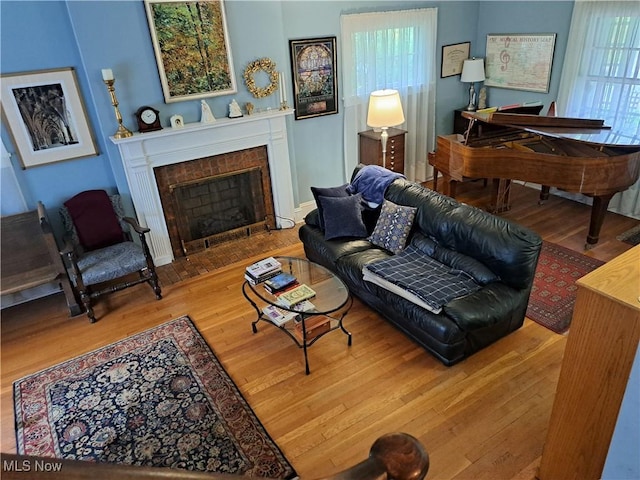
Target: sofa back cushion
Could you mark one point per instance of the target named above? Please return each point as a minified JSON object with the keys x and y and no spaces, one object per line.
{"x":509,"y":250}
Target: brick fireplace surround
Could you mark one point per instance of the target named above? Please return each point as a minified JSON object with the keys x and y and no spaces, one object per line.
{"x":208,"y":168}
{"x":142,"y":153}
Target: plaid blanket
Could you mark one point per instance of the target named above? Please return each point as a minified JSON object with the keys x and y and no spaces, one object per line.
{"x":434,"y":283}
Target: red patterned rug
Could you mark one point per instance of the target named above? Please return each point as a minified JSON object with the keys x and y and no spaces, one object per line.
{"x":554,"y":290}
{"x":159,"y":398}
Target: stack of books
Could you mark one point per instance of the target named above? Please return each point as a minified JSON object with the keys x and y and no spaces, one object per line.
{"x":277,"y":316}
{"x":262,"y":271}
{"x":281,"y":282}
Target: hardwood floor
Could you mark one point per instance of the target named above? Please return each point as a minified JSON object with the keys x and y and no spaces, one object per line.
{"x":484,"y":418}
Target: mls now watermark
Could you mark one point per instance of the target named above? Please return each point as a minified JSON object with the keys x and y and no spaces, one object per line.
{"x":31,"y":466}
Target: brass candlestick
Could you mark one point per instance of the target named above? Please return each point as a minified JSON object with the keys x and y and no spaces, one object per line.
{"x":122,"y":131}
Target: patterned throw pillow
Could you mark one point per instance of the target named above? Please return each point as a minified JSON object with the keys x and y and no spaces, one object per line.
{"x":393,"y":226}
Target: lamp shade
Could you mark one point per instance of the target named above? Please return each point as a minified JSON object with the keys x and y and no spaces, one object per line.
{"x":473,"y":70}
{"x":385,"y":109}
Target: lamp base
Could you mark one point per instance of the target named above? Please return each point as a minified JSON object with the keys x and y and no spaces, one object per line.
{"x":472,"y":99}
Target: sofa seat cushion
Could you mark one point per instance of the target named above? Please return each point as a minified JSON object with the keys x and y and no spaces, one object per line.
{"x":329,"y":250}
{"x":431,"y":281}
{"x":498,"y":302}
{"x":349,"y":267}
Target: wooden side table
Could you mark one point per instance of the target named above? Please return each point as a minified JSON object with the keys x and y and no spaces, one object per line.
{"x":370,"y":149}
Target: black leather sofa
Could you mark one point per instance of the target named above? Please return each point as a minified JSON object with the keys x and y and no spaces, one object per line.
{"x":464,"y":325}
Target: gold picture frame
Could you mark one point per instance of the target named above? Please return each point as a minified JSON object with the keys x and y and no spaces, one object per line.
{"x":46,"y":117}
{"x":191,"y":46}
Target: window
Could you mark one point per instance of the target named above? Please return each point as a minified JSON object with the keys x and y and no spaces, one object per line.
{"x":394,"y":50}
{"x":601,"y":76}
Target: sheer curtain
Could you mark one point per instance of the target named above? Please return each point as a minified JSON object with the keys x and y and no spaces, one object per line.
{"x":394,"y":50}
{"x":601,"y":76}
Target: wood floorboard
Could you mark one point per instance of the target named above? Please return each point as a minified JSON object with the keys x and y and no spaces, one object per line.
{"x":485,"y":418}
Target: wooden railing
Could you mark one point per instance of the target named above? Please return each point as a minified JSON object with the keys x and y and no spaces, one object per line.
{"x":396,"y":456}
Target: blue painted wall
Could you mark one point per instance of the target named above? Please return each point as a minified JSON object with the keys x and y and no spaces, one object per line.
{"x":92,"y":35}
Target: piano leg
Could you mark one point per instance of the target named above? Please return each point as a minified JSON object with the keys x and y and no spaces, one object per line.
{"x":598,"y":211}
{"x":500,"y":196}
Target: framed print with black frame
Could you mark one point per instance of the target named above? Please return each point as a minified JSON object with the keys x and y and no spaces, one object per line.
{"x":314,"y":73}
{"x":46,"y":117}
{"x":191,"y":45}
{"x":453,"y":56}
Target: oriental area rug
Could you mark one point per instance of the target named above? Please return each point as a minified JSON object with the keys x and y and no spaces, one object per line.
{"x":159,"y":398}
{"x":554,"y":291}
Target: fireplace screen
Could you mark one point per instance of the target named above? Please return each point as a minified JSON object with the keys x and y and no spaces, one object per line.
{"x":218,"y":206}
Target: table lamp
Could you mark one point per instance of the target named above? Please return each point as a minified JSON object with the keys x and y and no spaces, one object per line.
{"x":385,"y":110}
{"x":472,"y":71}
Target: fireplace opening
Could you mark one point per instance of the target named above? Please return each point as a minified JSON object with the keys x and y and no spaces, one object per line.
{"x":210,"y":200}
{"x":220,"y":204}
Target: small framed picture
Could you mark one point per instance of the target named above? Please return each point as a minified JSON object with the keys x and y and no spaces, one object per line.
{"x":453,"y":56}
{"x":176,"y":121}
{"x":46,"y":117}
{"x":314,"y":70}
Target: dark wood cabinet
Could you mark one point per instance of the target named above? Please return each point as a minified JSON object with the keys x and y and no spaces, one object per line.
{"x":370,"y":149}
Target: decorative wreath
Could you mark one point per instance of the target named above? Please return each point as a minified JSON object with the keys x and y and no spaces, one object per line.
{"x":269,"y":67}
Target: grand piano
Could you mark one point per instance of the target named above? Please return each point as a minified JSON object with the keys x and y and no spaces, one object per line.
{"x":572,"y":154}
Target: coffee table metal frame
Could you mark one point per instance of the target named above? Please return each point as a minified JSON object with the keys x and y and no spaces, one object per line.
{"x":332,"y":295}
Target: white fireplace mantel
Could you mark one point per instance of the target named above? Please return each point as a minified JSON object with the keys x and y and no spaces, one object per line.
{"x":142,"y":152}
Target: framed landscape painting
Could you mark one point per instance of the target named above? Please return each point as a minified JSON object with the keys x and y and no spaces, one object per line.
{"x":192,"y":50}
{"x":45,"y":116}
{"x":313,"y":68}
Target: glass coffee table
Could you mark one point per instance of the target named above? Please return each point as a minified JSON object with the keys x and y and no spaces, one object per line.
{"x":331,"y":304}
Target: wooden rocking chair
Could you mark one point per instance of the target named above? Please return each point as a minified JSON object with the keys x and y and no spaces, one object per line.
{"x":99,"y":252}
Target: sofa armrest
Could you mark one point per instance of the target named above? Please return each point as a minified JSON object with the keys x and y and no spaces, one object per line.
{"x":488,"y":306}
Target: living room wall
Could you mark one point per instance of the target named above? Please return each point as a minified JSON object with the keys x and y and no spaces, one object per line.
{"x":100,"y":34}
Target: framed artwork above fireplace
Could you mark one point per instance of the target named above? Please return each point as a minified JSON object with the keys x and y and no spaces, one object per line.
{"x":191,"y":45}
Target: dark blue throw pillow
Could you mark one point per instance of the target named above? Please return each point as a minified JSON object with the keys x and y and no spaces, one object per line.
{"x":343,"y":217}
{"x":318,"y":192}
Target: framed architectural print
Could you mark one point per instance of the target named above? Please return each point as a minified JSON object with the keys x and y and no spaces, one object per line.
{"x":519,"y":61}
{"x":314,"y":69}
{"x":192,"y":49}
{"x":453,"y":56}
{"x":45,"y":116}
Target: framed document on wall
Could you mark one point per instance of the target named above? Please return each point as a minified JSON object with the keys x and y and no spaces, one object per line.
{"x":519,"y":61}
{"x":453,"y":56}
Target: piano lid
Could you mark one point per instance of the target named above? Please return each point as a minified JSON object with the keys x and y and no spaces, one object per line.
{"x":586,"y":130}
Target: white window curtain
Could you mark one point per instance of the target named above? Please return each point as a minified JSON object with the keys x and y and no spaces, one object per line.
{"x":12,"y":200}
{"x":395,"y":50}
{"x":601,"y":76}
